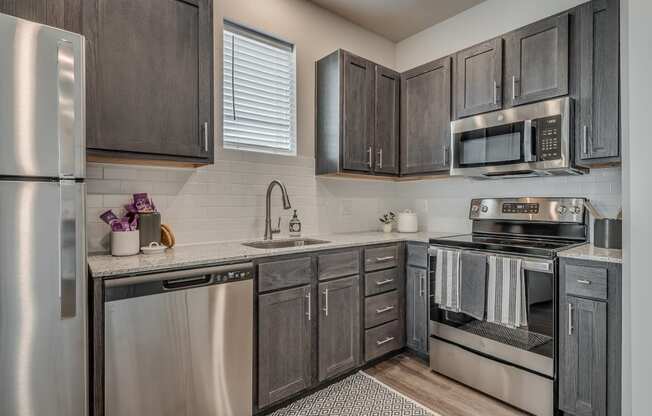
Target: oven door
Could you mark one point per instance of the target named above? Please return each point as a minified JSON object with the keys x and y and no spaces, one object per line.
{"x":531,"y":347}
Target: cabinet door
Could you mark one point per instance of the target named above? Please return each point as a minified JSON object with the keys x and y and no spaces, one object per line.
{"x":599,"y":127}
{"x":536,"y":61}
{"x":387,"y":118}
{"x":358,"y":113}
{"x":339,"y":326}
{"x":149,"y":76}
{"x":417,"y":317}
{"x":63,"y":14}
{"x":426,"y":118}
{"x":478,"y":78}
{"x":284,"y":342}
{"x":583,"y":357}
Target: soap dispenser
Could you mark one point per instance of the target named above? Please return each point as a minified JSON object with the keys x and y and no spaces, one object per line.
{"x":295,"y":225}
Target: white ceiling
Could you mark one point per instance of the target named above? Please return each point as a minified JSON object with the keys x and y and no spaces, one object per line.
{"x":396,"y":19}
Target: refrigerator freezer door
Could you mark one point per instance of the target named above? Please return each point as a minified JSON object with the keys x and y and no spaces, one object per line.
{"x":43,"y":318}
{"x":42,"y":125}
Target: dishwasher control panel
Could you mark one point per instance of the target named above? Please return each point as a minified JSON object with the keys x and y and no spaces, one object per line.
{"x":233,"y":276}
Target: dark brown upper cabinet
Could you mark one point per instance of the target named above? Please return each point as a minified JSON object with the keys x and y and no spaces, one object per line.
{"x":598,"y":107}
{"x":356,"y":116}
{"x":358,"y":110}
{"x":536,"y":61}
{"x":387,"y":117}
{"x":149,"y":79}
{"x":63,"y":14}
{"x":478,"y":78}
{"x":425,"y":118}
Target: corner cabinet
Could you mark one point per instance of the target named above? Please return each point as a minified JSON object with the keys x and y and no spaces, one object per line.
{"x":426,"y":118}
{"x":590,"y":338}
{"x":598,"y":107}
{"x":149,"y":79}
{"x":357,"y":116}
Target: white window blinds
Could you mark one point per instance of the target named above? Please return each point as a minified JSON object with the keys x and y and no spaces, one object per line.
{"x":259,"y":92}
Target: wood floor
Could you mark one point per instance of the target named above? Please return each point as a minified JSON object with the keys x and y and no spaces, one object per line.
{"x":413,"y":378}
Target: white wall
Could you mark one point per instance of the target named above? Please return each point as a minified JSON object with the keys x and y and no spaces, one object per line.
{"x":637,"y":186}
{"x":488,"y":19}
{"x":443,"y":204}
{"x":226,"y":201}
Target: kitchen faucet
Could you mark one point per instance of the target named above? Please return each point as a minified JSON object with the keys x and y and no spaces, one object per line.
{"x":269,"y":231}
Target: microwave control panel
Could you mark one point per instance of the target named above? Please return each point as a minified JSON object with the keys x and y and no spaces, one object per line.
{"x":549,"y":138}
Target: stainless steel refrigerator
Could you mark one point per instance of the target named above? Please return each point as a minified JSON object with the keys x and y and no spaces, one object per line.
{"x":43,"y":306}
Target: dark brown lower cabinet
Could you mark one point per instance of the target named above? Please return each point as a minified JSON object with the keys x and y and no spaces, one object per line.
{"x":284,"y":343}
{"x":339,"y":326}
{"x":583,"y":365}
{"x":590,"y":336}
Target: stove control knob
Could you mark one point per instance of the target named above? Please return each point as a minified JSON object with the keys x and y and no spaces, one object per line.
{"x":475,"y":208}
{"x":575,"y":210}
{"x":562,"y":209}
{"x":484,"y":208}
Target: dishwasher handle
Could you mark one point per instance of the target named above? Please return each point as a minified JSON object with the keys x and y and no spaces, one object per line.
{"x":189,"y":282}
{"x":177,"y":276}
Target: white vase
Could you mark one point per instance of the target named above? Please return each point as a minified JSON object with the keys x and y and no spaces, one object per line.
{"x":387,"y":228}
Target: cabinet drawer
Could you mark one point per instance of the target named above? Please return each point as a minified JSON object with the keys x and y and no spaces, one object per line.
{"x":587,"y":281}
{"x":380,"y":258}
{"x":380,"y":309}
{"x":284,"y":273}
{"x":382,"y":339}
{"x":340,"y":264}
{"x":380,"y":282}
{"x":417,"y":255}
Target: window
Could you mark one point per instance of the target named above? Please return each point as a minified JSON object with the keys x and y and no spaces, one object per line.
{"x":258,"y":92}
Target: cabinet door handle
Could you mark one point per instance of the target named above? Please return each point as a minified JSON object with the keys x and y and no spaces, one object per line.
{"x":445,"y":155}
{"x":570,"y":319}
{"x":205,"y":135}
{"x":326,"y":302}
{"x":309,"y":313}
{"x":585,"y":139}
{"x":380,"y":158}
{"x":422,"y":286}
{"x":369,"y":155}
{"x":496,"y":92}
{"x":384,"y":282}
{"x":385,"y":309}
{"x":385,"y":341}
{"x":583,"y":282}
{"x":388,"y":258}
{"x":514,"y":81}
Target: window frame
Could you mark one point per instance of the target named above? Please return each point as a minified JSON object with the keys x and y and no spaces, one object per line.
{"x":275,"y":41}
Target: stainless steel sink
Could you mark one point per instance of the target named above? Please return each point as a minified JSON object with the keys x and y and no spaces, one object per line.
{"x":293,"y":242}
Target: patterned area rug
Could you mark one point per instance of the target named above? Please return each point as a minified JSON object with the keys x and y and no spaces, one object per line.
{"x":359,"y":394}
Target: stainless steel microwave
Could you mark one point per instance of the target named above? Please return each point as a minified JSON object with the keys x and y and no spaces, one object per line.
{"x":529,"y":140}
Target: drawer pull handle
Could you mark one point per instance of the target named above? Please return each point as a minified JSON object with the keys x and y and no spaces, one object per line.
{"x":385,"y":309}
{"x":570,"y":319}
{"x":584,"y":282}
{"x":385,"y":341}
{"x":388,"y":258}
{"x":384,"y":282}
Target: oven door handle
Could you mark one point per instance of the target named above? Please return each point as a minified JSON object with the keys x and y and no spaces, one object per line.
{"x":527,"y":264}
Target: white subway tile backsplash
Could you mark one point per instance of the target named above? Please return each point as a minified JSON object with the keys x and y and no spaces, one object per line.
{"x":226,"y":201}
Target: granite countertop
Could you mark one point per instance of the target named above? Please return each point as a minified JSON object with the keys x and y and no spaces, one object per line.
{"x":180,"y":257}
{"x":590,"y":252}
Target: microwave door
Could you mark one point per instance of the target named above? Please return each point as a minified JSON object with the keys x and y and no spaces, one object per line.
{"x":492,"y":146}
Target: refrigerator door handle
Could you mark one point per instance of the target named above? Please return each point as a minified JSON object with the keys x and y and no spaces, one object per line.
{"x":71,"y":245}
{"x":66,"y":108}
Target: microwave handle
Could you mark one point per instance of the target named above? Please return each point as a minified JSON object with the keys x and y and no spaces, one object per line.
{"x":528,"y":142}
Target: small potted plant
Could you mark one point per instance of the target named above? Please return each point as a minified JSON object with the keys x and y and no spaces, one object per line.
{"x":387,"y":220}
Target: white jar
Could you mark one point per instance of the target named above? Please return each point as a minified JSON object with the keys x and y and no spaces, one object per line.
{"x":125,"y":243}
{"x":407,"y":222}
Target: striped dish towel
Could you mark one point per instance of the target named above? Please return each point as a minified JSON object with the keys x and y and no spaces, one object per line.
{"x":447,"y":280}
{"x":506,"y":300}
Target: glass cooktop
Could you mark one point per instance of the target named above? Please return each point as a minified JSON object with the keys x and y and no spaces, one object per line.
{"x":507,"y":245}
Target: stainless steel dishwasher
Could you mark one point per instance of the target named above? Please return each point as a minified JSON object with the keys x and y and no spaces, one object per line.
{"x":180,"y":343}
